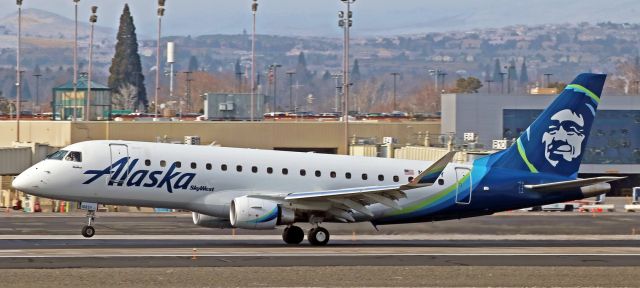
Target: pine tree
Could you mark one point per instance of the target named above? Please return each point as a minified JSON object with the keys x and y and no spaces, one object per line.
{"x":524,"y":75}
{"x":302,"y":73}
{"x":355,"y":71}
{"x":126,"y":69}
{"x":497,"y":77}
{"x":193,"y":64}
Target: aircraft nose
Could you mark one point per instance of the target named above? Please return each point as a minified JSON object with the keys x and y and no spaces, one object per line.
{"x":24,"y":181}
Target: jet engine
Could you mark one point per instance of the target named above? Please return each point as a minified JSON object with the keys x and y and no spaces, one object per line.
{"x":210,"y":221}
{"x":253,"y":213}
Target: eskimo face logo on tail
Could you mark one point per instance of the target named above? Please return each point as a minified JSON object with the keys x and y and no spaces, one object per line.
{"x":563,"y":138}
{"x":122,"y":174}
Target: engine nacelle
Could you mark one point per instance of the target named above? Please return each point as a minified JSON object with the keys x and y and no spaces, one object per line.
{"x":210,"y":221}
{"x":253,"y":213}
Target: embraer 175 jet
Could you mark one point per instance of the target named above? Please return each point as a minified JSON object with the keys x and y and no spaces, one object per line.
{"x":260,"y":189}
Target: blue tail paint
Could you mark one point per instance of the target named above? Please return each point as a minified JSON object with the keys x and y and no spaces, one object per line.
{"x":556,"y":140}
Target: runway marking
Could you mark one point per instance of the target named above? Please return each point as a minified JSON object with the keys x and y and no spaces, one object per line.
{"x":322,"y":255}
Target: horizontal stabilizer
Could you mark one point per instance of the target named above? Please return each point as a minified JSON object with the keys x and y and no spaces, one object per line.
{"x":564,"y":185}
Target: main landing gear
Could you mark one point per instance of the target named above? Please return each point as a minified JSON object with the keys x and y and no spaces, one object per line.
{"x":88,"y":231}
{"x":317,"y":236}
{"x":292,"y":235}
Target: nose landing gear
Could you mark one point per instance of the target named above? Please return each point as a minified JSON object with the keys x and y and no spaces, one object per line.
{"x":88,"y":231}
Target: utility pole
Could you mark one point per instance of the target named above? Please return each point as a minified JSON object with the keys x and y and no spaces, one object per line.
{"x":158,"y":51}
{"x":274,"y":69}
{"x":395,"y":76}
{"x":254,"y":10}
{"x":92,"y":19}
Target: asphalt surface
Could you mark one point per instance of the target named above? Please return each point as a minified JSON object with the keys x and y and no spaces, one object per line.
{"x":511,"y":223}
{"x":148,"y":250}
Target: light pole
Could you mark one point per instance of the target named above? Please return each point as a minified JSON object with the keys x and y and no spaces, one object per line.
{"x":548,"y":76}
{"x":254,"y":10}
{"x":171,"y":60}
{"x":18,"y":73}
{"x":337,"y":77}
{"x":274,"y":69}
{"x":489,"y":81}
{"x":38,"y":75}
{"x":436,"y":74}
{"x":345,"y":22}
{"x":395,"y":76}
{"x":187,"y":75}
{"x":158,"y":51}
{"x":92,"y":19}
{"x":75,"y":64}
{"x":291,"y":73}
{"x":502,"y":82}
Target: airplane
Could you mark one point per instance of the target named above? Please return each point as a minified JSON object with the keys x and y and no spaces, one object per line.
{"x":263,"y":189}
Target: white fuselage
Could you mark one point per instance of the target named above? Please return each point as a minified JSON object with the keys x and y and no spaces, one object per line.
{"x":209,"y":177}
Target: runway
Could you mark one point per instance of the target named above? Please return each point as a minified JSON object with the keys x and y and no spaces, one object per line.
{"x":71,"y":251}
{"x":515,"y":249}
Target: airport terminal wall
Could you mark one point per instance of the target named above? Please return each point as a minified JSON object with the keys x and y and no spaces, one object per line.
{"x":259,"y":135}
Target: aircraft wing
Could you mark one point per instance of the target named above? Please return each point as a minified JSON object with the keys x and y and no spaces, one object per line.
{"x":338,"y":203}
{"x":563,"y":185}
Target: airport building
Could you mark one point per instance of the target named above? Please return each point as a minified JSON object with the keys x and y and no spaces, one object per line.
{"x":613,"y":146}
{"x":233,"y":106}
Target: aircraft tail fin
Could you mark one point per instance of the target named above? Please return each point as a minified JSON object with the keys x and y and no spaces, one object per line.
{"x":556,"y":140}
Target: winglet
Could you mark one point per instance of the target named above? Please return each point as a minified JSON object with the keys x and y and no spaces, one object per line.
{"x":431,"y":174}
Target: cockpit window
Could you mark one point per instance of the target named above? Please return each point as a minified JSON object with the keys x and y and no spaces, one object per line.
{"x":58,"y":155}
{"x":74,"y":156}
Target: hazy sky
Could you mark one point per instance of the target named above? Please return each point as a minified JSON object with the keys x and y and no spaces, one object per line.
{"x":319,"y":17}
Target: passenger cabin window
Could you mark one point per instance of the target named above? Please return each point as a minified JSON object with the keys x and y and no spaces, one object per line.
{"x":285,"y":171}
{"x":254,"y":169}
{"x":440,"y":181}
{"x":347,"y":175}
{"x":269,"y":170}
{"x":194,"y":165}
{"x":178,"y":164}
{"x":208,"y":166}
{"x":410,"y":179}
{"x":380,"y":177}
{"x":318,"y":173}
{"x":364,"y":176}
{"x":332,"y":174}
{"x":147,"y":162}
{"x":74,"y":156}
{"x":396,"y":178}
{"x":303,"y":172}
{"x":58,"y":155}
{"x":163,"y":163}
{"x":223,"y":167}
{"x":239,"y":168}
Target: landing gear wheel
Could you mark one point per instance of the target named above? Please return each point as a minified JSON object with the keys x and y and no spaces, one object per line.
{"x":318,"y":236}
{"x":292,"y":235}
{"x":88,"y":231}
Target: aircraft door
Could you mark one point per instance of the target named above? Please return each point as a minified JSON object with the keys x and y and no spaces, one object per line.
{"x":463,"y":188}
{"x":117,"y":152}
